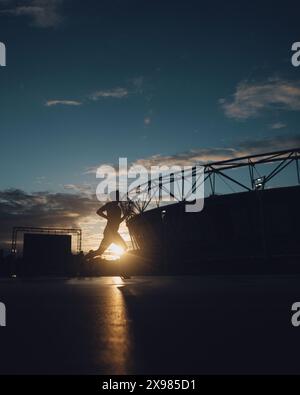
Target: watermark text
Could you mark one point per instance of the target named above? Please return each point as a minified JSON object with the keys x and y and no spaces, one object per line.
{"x":2,"y":314}
{"x":160,"y":183}
{"x":2,"y":55}
{"x":296,"y":56}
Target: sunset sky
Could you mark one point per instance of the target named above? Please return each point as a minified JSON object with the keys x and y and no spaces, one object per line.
{"x":87,"y":82}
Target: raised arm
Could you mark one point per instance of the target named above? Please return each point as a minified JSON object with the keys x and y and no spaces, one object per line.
{"x":101,"y":210}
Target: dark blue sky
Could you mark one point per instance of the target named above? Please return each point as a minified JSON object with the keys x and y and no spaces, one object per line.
{"x":171,"y":60}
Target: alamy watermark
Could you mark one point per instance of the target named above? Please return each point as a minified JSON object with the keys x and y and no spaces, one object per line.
{"x":296,"y":56}
{"x":2,"y":314}
{"x":296,"y":315}
{"x":2,"y":54}
{"x":160,"y":182}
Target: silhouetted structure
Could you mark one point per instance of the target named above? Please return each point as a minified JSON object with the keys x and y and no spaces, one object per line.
{"x":239,"y":231}
{"x":56,"y":231}
{"x":253,"y":231}
{"x":46,"y":251}
{"x":46,"y":254}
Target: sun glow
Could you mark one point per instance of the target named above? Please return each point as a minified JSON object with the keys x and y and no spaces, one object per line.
{"x":116,"y":250}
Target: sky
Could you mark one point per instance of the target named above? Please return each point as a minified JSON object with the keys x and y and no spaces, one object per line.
{"x":87,"y":82}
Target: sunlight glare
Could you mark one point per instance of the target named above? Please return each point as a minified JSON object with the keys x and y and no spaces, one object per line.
{"x":116,"y":250}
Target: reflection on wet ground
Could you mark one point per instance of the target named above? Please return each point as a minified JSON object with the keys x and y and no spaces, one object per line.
{"x":208,"y":324}
{"x":65,"y":326}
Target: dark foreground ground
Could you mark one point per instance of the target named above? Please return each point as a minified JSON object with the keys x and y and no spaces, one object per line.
{"x":152,"y":325}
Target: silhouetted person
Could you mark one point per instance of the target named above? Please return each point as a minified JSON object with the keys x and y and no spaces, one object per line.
{"x":111,"y":235}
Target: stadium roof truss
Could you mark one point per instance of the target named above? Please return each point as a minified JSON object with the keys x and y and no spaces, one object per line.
{"x":152,"y":191}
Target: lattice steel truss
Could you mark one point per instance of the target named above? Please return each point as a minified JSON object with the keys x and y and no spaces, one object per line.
{"x":152,"y":191}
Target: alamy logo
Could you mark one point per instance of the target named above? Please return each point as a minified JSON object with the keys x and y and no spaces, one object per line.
{"x":2,"y":55}
{"x":296,"y":56}
{"x":2,"y":314}
{"x":160,"y":182}
{"x":296,"y":315}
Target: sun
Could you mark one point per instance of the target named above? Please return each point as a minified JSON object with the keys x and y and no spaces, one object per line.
{"x":116,"y":250}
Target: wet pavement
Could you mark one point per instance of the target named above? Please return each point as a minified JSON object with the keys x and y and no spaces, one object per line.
{"x":151,"y":325}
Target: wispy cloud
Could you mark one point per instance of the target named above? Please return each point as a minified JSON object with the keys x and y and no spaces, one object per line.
{"x":135,"y":87}
{"x":83,"y":189}
{"x":116,"y":93}
{"x":51,"y":103}
{"x":251,"y":99}
{"x":205,"y":155}
{"x":43,"y":13}
{"x":213,"y":154}
{"x":147,"y":121}
{"x":277,"y":126}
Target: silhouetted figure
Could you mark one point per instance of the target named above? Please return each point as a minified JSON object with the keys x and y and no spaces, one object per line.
{"x":111,"y":235}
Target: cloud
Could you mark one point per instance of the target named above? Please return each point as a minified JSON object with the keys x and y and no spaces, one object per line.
{"x":278,"y":125}
{"x":51,"y":103}
{"x":77,"y":209}
{"x":278,"y":143}
{"x":188,"y":158}
{"x":43,"y":13}
{"x":113,"y":93}
{"x":117,"y":93}
{"x":206,"y":155}
{"x":214,"y":154}
{"x":44,"y":209}
{"x":147,"y":121}
{"x":85,"y":189}
{"x":251,"y":99}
